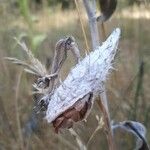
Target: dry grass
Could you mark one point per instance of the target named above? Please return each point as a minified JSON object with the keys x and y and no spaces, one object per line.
{"x":134,"y":48}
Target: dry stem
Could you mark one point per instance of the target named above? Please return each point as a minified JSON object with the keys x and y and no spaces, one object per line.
{"x":82,"y":26}
{"x":17,"y":110}
{"x":107,"y":124}
{"x":91,"y":10}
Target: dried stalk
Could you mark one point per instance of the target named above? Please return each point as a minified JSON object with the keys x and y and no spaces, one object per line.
{"x":107,"y":124}
{"x":17,"y":110}
{"x":6,"y":126}
{"x":99,"y":127}
{"x":78,"y":140}
{"x":82,"y":26}
{"x":91,"y":10}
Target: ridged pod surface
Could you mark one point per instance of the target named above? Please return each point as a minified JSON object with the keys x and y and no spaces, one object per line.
{"x":84,"y":82}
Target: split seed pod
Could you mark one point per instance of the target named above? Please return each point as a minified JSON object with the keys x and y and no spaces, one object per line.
{"x":73,"y":99}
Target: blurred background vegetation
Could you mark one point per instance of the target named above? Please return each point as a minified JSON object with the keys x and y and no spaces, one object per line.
{"x":41,"y":23}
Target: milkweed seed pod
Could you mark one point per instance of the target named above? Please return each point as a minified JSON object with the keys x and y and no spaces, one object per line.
{"x":107,"y":8}
{"x":73,"y":99}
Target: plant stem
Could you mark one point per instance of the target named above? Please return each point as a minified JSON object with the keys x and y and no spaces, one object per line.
{"x":107,"y":124}
{"x":102,"y":101}
{"x":17,"y":110}
{"x":92,"y":23}
{"x":82,"y":26}
{"x":25,"y":12}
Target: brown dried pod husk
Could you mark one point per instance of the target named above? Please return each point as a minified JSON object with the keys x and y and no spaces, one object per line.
{"x":74,"y":114}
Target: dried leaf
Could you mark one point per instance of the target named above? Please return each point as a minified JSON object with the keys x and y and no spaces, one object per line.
{"x":107,"y":9}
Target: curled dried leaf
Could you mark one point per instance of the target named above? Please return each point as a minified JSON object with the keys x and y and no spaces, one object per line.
{"x":61,"y":48}
{"x":137,"y":129}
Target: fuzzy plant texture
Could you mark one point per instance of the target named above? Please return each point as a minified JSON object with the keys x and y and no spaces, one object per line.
{"x":88,"y":76}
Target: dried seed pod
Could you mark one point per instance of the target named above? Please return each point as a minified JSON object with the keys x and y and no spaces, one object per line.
{"x":70,"y":101}
{"x":107,"y":9}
